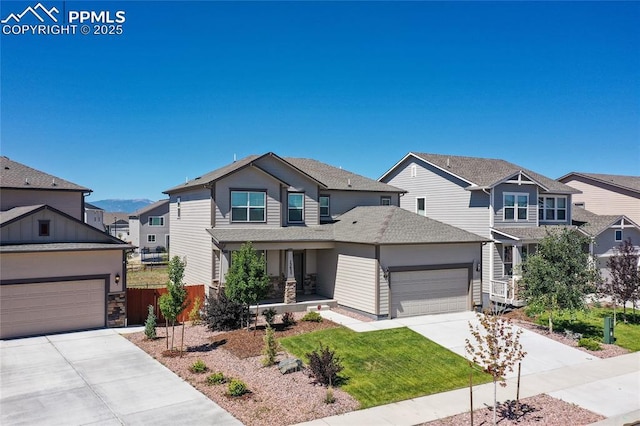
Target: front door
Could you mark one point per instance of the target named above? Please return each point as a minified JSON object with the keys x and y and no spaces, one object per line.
{"x":298,"y":265}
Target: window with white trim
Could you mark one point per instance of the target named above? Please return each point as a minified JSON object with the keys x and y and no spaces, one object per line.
{"x":156,"y":221}
{"x":515,"y":206}
{"x":385,"y":200}
{"x":295,"y":201}
{"x":552,"y":209}
{"x":324,"y":205}
{"x":248,"y":206}
{"x":151,"y":238}
{"x":618,"y":235}
{"x":421,"y":206}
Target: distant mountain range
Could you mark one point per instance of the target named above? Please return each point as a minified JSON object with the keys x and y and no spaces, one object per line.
{"x":124,"y":206}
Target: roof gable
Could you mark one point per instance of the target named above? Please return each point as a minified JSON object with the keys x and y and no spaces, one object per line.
{"x":150,"y":208}
{"x":595,"y":224}
{"x":631,"y":183}
{"x":19,"y":176}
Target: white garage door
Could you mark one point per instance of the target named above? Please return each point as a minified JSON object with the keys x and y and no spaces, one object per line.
{"x":39,"y":308}
{"x":429,"y":292}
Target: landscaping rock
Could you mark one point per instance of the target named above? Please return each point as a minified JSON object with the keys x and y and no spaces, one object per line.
{"x":289,"y":365}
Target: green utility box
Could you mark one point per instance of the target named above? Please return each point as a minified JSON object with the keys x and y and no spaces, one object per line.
{"x":608,"y":330}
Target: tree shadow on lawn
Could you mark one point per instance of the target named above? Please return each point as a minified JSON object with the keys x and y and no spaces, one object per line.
{"x":578,"y":326}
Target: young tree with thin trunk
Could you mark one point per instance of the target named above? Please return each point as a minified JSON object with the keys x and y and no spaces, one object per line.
{"x":496,"y":348}
{"x":559,"y":275}
{"x":174,"y":301}
{"x":247,"y":281}
{"x":624,"y":284}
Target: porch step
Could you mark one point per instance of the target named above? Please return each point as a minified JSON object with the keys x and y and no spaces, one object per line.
{"x":318,"y":308}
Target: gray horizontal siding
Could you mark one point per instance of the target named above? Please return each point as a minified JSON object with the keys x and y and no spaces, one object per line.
{"x":342,"y":201}
{"x":532,"y":208}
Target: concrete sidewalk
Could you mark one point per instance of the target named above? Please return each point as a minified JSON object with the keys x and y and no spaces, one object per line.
{"x":610,"y":387}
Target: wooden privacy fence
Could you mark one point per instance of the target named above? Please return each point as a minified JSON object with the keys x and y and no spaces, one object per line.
{"x":138,"y":300}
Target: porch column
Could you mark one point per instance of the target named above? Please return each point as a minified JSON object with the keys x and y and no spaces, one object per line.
{"x":290,"y":285}
{"x":517,"y":258}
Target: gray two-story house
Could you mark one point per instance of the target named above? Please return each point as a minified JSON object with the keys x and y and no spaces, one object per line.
{"x":509,"y":205}
{"x":149,"y":227}
{"x":324,"y":231}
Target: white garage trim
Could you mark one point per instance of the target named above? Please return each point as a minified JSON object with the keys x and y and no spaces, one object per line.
{"x":52,"y":305}
{"x":429,"y":289}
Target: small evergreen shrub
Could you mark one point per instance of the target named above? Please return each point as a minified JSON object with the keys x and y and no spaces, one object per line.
{"x":150,"y":325}
{"x":324,"y":365}
{"x":269,"y":316}
{"x":312,"y":316}
{"x":194,"y":314}
{"x":237,"y":388}
{"x":216,"y":378}
{"x":271,"y":348}
{"x":288,"y":319}
{"x":590,"y":344}
{"x":198,"y":367}
{"x":222,"y":314}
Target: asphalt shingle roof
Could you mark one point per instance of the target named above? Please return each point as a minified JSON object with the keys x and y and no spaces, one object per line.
{"x":329,"y":176}
{"x":488,"y":172}
{"x":150,"y":207}
{"x":17,"y":175}
{"x":626,"y":182}
{"x":591,"y":223}
{"x":533,"y":233}
{"x":16,"y":212}
{"x":23,"y":248}
{"x":367,"y":225}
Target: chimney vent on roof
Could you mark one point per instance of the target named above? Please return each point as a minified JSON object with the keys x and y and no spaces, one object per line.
{"x":349,"y":183}
{"x":26,"y":181}
{"x":448,"y":164}
{"x":53,"y":182}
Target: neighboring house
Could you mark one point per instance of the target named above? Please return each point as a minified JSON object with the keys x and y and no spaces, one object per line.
{"x":149,"y":227}
{"x":56,"y":272}
{"x":608,"y":232}
{"x":117,"y":225}
{"x":606,"y":194}
{"x":94,"y":216}
{"x":511,"y":206}
{"x":324,"y":231}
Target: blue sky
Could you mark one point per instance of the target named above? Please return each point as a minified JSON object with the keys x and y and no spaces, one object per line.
{"x":551,"y":86}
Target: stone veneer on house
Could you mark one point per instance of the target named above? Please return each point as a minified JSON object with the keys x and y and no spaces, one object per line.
{"x":116,"y":309}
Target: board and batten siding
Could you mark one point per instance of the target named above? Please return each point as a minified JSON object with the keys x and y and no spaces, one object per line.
{"x":355,"y":276}
{"x":342,"y":201}
{"x":250,"y":179}
{"x":189,"y":238}
{"x":604,"y":199}
{"x":433,"y":255}
{"x":446,"y":198}
{"x":606,"y":241}
{"x":532,"y":207}
{"x":69,"y":202}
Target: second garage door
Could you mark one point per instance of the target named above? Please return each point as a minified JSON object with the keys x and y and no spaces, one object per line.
{"x":429,"y":292}
{"x":42,"y":308}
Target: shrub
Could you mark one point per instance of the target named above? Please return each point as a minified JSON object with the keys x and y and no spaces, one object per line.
{"x":324,"y":365}
{"x":216,"y":378}
{"x":222,"y":314}
{"x":237,"y":388}
{"x":198,"y":367}
{"x":590,"y":344}
{"x":271,"y":347}
{"x":269,"y":316}
{"x":288,"y":319}
{"x":329,"y":398}
{"x":194,"y":314}
{"x":150,"y":324}
{"x":312,"y":316}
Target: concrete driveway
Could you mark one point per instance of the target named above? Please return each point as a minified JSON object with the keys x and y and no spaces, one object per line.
{"x":95,"y":377}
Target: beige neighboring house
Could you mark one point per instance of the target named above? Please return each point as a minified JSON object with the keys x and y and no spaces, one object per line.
{"x":324,"y":231}
{"x":57,"y":273}
{"x":606,"y":194}
{"x":94,"y":216}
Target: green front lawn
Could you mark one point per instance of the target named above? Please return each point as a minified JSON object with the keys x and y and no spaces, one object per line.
{"x":386,"y":366}
{"x":591,"y":324}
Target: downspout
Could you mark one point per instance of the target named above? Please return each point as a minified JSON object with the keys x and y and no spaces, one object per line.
{"x":377,"y":280}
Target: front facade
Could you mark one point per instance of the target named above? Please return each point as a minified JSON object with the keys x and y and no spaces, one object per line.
{"x":606,"y":194}
{"x":510,"y":206}
{"x":57,"y":273}
{"x":149,"y":227}
{"x":294,"y":211}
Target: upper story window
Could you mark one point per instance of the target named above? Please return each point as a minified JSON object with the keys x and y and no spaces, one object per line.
{"x":156,"y":221}
{"x":178,"y":199}
{"x":552,"y":208}
{"x":618,"y":234}
{"x":44,"y":230}
{"x":385,"y":200}
{"x":296,"y":208}
{"x":324,"y":206}
{"x":414,"y":170}
{"x":515,"y":206}
{"x":421,"y":206}
{"x":248,"y":206}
